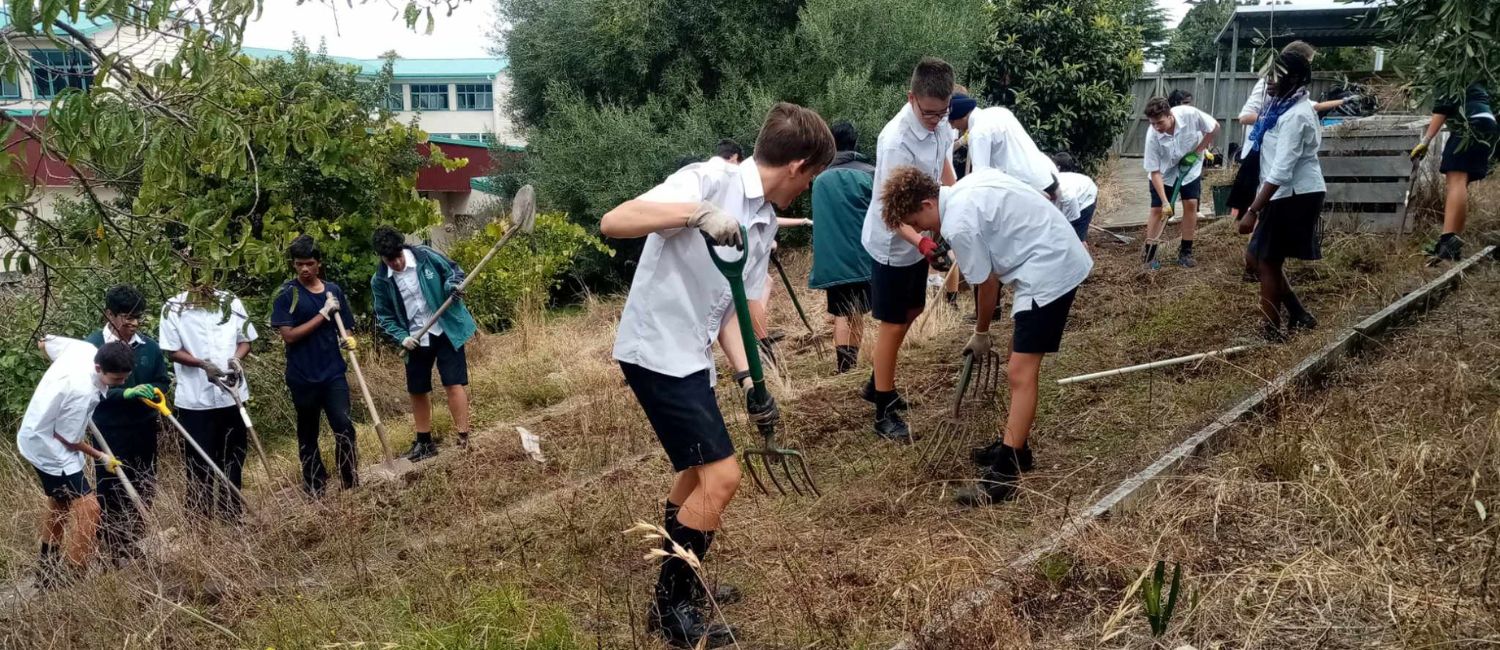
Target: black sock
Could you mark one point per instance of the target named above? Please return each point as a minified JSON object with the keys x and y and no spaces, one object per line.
{"x":1293,"y":305}
{"x":1185,"y":248}
{"x":677,"y":580}
{"x":424,"y":437}
{"x":848,"y":355}
{"x":883,"y":399}
{"x":49,"y":551}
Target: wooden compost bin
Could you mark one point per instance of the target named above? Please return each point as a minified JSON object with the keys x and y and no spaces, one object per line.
{"x":1369,"y":174}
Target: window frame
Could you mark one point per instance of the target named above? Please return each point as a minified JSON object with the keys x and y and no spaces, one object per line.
{"x":43,"y":62}
{"x":473,"y":91}
{"x":395,"y":98}
{"x":425,"y":91}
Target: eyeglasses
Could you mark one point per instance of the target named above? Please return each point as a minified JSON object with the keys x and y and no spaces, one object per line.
{"x":933,"y":115}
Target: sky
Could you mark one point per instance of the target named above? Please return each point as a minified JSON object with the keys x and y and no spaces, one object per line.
{"x":368,"y":30}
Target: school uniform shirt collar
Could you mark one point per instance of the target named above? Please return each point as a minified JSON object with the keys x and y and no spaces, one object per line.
{"x":411,"y":263}
{"x":909,"y":114}
{"x":755,"y":193}
{"x":110,"y":337}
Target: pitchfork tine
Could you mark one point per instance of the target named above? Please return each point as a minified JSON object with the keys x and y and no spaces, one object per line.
{"x":806,"y":475}
{"x":765,"y":460}
{"x":754,"y":476}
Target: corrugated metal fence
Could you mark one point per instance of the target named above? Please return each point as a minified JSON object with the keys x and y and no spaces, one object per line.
{"x":1226,"y":106}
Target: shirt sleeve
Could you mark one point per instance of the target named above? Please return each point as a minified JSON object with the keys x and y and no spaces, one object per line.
{"x":981,"y":149}
{"x":1206,"y":122}
{"x":1289,"y":145}
{"x":1257,"y":100}
{"x":245,"y":331}
{"x":973,"y":256}
{"x":686,"y":185}
{"x":57,"y":346}
{"x":281,"y":309}
{"x":168,"y":335}
{"x":1152,"y":160}
{"x":72,"y":418}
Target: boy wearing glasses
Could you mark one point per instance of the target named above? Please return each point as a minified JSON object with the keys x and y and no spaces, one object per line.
{"x":919,"y":136}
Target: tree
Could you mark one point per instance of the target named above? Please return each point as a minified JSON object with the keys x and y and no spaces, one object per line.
{"x":1442,"y":46}
{"x":1193,"y":47}
{"x":1151,"y":19}
{"x":1065,"y":68}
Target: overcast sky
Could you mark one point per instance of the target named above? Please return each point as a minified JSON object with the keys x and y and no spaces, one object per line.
{"x":370,"y":29}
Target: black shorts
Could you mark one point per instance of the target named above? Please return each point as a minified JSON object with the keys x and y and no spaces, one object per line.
{"x":452,"y":365}
{"x":64,"y":488}
{"x":1039,"y":330}
{"x":1189,"y":192}
{"x":1473,"y":159}
{"x":849,"y":299}
{"x":1246,"y":183}
{"x":1081,"y":224}
{"x":684,"y":413}
{"x":898,"y":294}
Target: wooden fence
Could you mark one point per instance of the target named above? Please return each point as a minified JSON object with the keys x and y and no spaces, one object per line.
{"x":1232,"y":93}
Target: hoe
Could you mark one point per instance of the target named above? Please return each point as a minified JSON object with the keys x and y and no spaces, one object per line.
{"x":789,"y":462}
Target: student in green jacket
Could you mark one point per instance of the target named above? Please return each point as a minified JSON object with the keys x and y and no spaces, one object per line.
{"x":841,"y":266}
{"x":409,"y":286}
{"x":128,"y":425}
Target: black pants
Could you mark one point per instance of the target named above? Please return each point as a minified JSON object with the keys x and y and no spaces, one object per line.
{"x":119,"y":523}
{"x":330,"y":398}
{"x":222,"y":435}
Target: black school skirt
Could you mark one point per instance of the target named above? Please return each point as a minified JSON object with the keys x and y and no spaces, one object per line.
{"x":1289,"y":228}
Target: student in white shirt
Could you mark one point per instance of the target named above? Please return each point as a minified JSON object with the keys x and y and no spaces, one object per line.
{"x":678,"y":305}
{"x":998,"y":141}
{"x":919,"y":135}
{"x":200,"y":331}
{"x":1284,"y":215}
{"x":1077,"y":194}
{"x":1002,"y":231}
{"x":1176,"y":145}
{"x":54,"y":438}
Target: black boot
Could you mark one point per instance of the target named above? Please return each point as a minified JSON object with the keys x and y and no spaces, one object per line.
{"x":1449,"y":248}
{"x":888,"y":421}
{"x":421,"y":450}
{"x":463,"y":441}
{"x":1148,"y":257}
{"x":49,"y":569}
{"x":990,"y":455}
{"x":869,"y":394}
{"x":848,"y":356}
{"x":1272,"y":333}
{"x":673,"y":613}
{"x":1185,"y":254}
{"x":724,"y":594}
{"x":997,"y":483}
{"x":682,"y":625}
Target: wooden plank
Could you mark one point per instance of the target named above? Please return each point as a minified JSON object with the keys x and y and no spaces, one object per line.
{"x":1377,"y":143}
{"x":1129,"y":492}
{"x":1356,"y":193}
{"x":1371,"y":222}
{"x":1367,"y":166}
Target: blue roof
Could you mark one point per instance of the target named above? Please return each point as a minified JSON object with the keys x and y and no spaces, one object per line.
{"x":405,"y":68}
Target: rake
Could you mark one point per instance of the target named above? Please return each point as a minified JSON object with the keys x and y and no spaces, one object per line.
{"x":773,"y":458}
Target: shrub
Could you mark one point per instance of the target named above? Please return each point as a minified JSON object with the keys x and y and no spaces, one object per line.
{"x":525,"y":271}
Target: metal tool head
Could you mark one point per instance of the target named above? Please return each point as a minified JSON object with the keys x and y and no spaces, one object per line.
{"x":987,"y":370}
{"x":523,"y":209}
{"x":788,"y":463}
{"x":395,"y":467}
{"x":940,"y":445}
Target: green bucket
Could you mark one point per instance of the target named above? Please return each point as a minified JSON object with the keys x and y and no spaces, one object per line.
{"x":1221,"y":199}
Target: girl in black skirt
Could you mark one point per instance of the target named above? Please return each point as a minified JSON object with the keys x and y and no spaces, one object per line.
{"x":1285,"y":213}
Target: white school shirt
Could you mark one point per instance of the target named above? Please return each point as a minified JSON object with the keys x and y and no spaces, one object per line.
{"x":761,"y":226}
{"x":63,"y":403}
{"x":998,"y":141}
{"x":111,"y":337}
{"x":678,"y":299}
{"x":410,"y":288}
{"x":998,"y":224}
{"x":1075,"y":193}
{"x":1289,"y":153}
{"x":203,"y":331}
{"x":1164,"y":150}
{"x":1253,"y":106}
{"x":903,"y":141}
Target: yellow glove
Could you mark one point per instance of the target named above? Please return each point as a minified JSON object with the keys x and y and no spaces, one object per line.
{"x":112,"y":464}
{"x":1208,"y":155}
{"x":1167,"y":210}
{"x":1419,"y":152}
{"x":348,"y":343}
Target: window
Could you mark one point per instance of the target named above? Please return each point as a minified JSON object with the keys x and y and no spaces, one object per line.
{"x":429,"y":97}
{"x":475,"y":97}
{"x":54,"y":70}
{"x":10,"y":87}
{"x":487,"y":138}
{"x":393,"y":99}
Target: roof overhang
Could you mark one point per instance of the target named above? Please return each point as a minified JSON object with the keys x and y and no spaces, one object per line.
{"x":1321,"y":24}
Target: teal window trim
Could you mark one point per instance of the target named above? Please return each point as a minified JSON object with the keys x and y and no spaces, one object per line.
{"x":475,"y":97}
{"x":429,"y":97}
{"x":53,"y":71}
{"x":10,"y":87}
{"x":394,"y":98}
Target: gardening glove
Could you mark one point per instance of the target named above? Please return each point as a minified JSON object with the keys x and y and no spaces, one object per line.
{"x":1419,"y":152}
{"x":761,"y":406}
{"x":211,"y":368}
{"x":142,"y":391}
{"x":936,"y":254}
{"x":455,"y":289}
{"x":111,"y":464}
{"x":979,"y":345}
{"x":1167,"y":210}
{"x":409,"y":343}
{"x":348,"y":343}
{"x":233,"y":378}
{"x":1189,"y":160}
{"x":1208,"y":156}
{"x":714,"y":222}
{"x":330,"y":305}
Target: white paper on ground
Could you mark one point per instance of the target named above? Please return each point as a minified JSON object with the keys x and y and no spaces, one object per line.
{"x":531,"y":444}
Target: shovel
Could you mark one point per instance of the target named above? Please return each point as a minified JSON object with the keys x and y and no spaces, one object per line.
{"x":160,"y":404}
{"x":393,"y":467}
{"x":234,"y":364}
{"x":130,"y":491}
{"x":788,"y":461}
{"x":522,"y":218}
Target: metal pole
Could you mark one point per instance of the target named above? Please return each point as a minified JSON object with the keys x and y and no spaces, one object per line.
{"x":1213,"y":101}
{"x":1234,"y":68}
{"x":1154,"y":364}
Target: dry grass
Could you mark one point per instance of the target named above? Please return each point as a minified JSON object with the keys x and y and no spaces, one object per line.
{"x":489,"y":549}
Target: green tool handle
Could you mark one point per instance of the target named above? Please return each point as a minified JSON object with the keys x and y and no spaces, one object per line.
{"x":1177,"y":186}
{"x":734,"y":272}
{"x":964,"y":376}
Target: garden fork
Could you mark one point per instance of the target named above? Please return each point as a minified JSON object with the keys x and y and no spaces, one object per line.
{"x":789,"y":462}
{"x":986,"y":369}
{"x":952,"y":426}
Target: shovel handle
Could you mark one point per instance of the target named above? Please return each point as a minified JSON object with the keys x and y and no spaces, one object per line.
{"x":364,"y":390}
{"x":792,"y":293}
{"x":159,"y":403}
{"x":733,"y":271}
{"x":473,"y":273}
